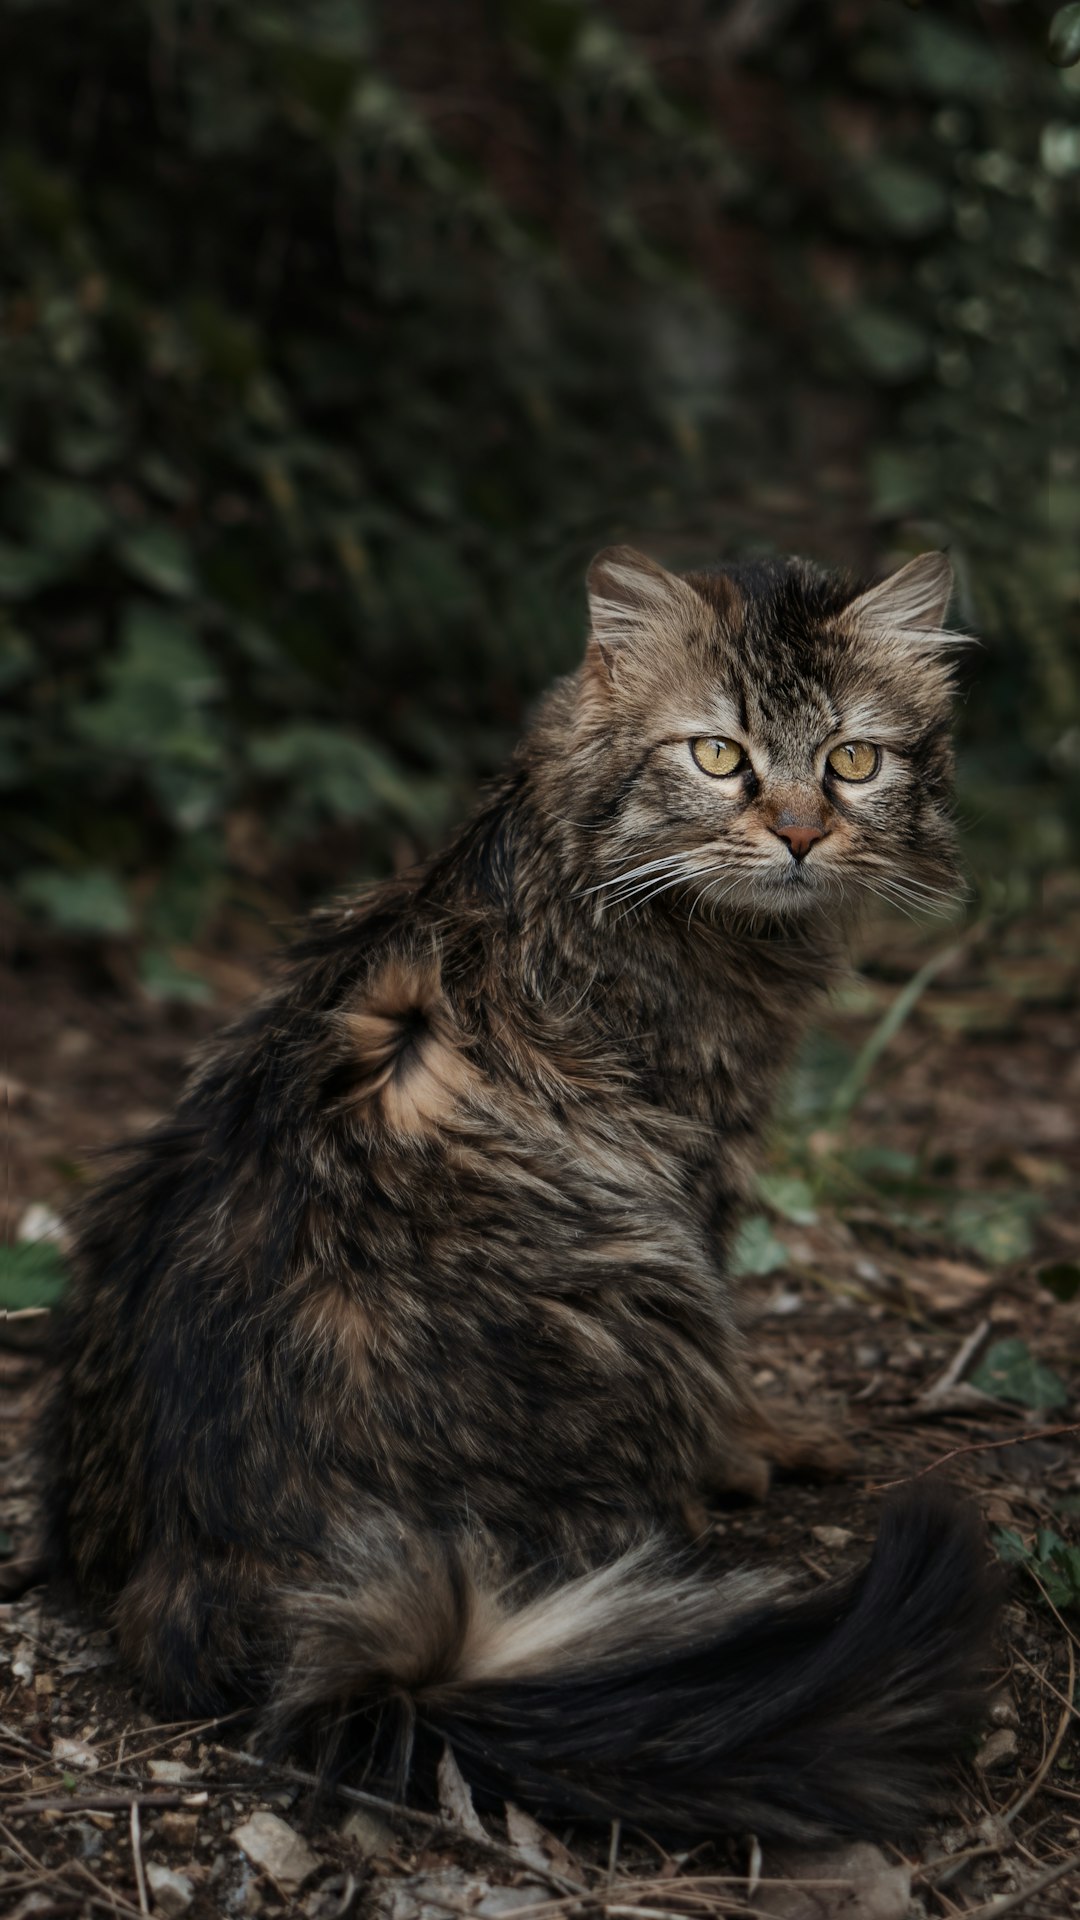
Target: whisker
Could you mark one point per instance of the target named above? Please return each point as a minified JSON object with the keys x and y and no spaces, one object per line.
{"x":665,"y":886}
{"x":631,"y":873}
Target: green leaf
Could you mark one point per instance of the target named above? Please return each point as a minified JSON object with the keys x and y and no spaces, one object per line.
{"x":890,"y":1164}
{"x":152,"y":713}
{"x":339,"y":773}
{"x":92,"y":901}
{"x":904,"y":199}
{"x":17,"y":656}
{"x":997,"y":1227}
{"x":789,"y":1196}
{"x":1063,"y":42}
{"x":1062,"y":1279}
{"x":32,"y":1274}
{"x":890,"y":346}
{"x":24,"y":571}
{"x":66,"y":519}
{"x":1058,"y":1585}
{"x":1011,"y":1548}
{"x":158,"y":557}
{"x":1010,"y":1371}
{"x":756,"y":1249}
{"x":163,"y":979}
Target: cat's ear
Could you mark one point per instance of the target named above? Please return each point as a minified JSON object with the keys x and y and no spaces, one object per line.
{"x":913,"y":601}
{"x":632,"y":602}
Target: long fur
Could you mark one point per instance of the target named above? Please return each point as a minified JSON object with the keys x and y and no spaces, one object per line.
{"x":422,"y":1288}
{"x":659,"y":1694}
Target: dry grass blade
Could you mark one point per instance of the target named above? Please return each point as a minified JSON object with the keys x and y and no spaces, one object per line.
{"x":1068,"y":1713}
{"x":136,"y":1854}
{"x":1017,"y":1901}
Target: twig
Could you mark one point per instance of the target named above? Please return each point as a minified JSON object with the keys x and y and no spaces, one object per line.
{"x":136,"y":1854}
{"x":1009,"y":1902}
{"x":435,"y":1823}
{"x":1063,"y":1624}
{"x":613,"y":1850}
{"x":1052,"y":1750}
{"x":957,"y":1366}
{"x":113,"y":1903}
{"x":105,"y":1802}
{"x":975,"y":1446}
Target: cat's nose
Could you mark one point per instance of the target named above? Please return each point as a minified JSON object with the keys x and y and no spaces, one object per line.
{"x":800,"y":839}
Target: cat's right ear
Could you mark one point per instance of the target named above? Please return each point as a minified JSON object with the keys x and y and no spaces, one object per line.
{"x":632,"y":603}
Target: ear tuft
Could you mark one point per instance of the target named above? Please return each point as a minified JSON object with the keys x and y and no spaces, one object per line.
{"x":914,"y":599}
{"x":630,"y":597}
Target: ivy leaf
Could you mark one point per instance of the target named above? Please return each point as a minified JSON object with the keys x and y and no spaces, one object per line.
{"x":756,"y":1249}
{"x":1010,"y":1371}
{"x":32,"y":1274}
{"x":158,"y":557}
{"x":996,"y":1226}
{"x":92,"y":901}
{"x":1011,"y":1548}
{"x":163,"y":979}
{"x":1063,"y":44}
{"x":789,"y":1196}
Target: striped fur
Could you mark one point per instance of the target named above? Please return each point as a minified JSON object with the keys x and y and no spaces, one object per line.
{"x":402,"y":1362}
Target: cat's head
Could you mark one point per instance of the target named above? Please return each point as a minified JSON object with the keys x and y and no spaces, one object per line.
{"x":764,"y":738}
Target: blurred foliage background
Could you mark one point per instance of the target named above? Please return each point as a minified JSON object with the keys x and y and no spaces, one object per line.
{"x":335,"y":337}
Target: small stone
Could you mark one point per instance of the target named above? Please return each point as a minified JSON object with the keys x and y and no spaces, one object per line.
{"x":179,"y":1828}
{"x":367,"y":1832}
{"x":173,"y":1892}
{"x":271,"y":1844}
{"x":1003,"y":1710}
{"x":997,"y":1750}
{"x":74,"y":1753}
{"x":41,"y":1223}
{"x":171,"y":1773}
{"x":832,"y":1537}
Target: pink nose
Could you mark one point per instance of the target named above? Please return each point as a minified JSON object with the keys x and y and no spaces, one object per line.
{"x":800,"y":839}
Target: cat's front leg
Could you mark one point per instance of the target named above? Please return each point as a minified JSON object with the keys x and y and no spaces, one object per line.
{"x":761,"y":1440}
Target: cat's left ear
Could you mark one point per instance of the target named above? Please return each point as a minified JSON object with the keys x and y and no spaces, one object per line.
{"x":913,"y":601}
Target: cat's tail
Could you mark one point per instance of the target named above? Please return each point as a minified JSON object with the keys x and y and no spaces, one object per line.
{"x":685,"y":1704}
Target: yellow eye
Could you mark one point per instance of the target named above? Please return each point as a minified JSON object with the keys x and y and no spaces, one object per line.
{"x":855,"y":760}
{"x":718,"y":757}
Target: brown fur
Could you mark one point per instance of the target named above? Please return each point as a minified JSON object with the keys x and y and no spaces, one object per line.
{"x":427,"y":1271}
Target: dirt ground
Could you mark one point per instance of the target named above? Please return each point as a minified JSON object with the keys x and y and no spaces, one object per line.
{"x":943,"y":1220}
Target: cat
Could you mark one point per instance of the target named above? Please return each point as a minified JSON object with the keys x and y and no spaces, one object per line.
{"x":401,"y":1362}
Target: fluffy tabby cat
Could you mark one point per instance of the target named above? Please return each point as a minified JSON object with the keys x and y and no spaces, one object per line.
{"x":402,"y":1359}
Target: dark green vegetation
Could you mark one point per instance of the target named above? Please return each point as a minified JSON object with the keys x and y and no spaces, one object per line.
{"x":336,"y":337}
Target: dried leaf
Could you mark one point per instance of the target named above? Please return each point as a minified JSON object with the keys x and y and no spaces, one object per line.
{"x":537,"y":1847}
{"x":455,"y":1797}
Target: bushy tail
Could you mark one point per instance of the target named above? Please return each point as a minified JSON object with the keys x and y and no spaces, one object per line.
{"x":683,"y":1704}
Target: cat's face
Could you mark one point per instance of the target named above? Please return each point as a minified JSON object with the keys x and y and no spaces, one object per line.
{"x":764,"y":739}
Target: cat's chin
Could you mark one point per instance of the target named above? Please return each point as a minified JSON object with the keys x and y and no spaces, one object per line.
{"x":792,"y":896}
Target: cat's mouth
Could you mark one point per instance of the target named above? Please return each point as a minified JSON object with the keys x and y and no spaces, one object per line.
{"x":773,"y":888}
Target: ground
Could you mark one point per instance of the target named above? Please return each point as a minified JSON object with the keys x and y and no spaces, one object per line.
{"x":913,"y":1268}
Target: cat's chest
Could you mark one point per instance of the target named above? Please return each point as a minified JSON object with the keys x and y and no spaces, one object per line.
{"x":719,"y":1060}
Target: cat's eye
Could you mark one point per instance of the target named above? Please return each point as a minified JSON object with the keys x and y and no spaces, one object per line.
{"x":718,"y":757}
{"x":855,"y":760}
